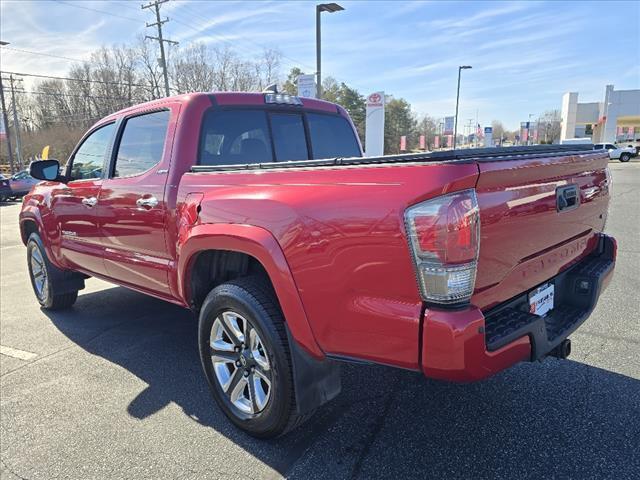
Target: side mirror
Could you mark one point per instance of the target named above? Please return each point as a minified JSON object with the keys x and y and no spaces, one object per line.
{"x":45,"y":170}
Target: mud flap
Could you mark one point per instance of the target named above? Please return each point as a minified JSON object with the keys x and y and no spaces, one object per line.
{"x":65,"y":281}
{"x":315,"y":381}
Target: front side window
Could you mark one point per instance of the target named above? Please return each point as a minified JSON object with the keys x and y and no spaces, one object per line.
{"x":332,"y":136}
{"x":88,"y":161}
{"x":142,"y":143}
{"x":608,"y":146}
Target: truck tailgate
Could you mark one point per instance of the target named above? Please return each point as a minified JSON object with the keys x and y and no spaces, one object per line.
{"x":528,"y":234}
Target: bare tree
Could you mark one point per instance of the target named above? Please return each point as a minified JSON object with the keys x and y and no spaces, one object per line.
{"x":192,"y":69}
{"x":224,"y":59}
{"x":550,"y":126}
{"x":428,"y":127}
{"x":498,"y":131}
{"x":267,"y":68}
{"x":150,"y":70}
{"x":119,"y":76}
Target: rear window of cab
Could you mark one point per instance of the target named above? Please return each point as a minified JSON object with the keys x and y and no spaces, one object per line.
{"x":231,"y":137}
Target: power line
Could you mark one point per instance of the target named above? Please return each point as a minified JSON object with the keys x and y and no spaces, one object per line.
{"x":96,"y":10}
{"x":104,"y":82}
{"x":43,"y":54}
{"x":193,"y":15}
{"x":221,"y":39}
{"x":72,"y":95}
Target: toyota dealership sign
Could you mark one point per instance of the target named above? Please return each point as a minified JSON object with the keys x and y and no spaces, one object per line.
{"x":374,"y":125}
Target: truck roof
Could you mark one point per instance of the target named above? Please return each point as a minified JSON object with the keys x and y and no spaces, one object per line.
{"x":226,"y":99}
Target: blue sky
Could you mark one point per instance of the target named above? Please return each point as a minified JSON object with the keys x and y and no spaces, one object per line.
{"x":525,"y":55}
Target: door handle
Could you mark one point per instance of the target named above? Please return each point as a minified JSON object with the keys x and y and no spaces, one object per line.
{"x":148,"y":202}
{"x":89,"y":201}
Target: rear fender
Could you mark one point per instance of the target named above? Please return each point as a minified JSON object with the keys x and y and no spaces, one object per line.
{"x":261,"y":245}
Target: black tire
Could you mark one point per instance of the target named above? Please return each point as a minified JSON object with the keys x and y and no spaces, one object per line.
{"x":46,"y":294}
{"x":625,"y":157}
{"x":254,"y":299}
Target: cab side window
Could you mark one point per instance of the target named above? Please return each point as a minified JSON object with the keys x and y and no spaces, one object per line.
{"x":142,"y":143}
{"x":88,"y":161}
{"x":235,"y":136}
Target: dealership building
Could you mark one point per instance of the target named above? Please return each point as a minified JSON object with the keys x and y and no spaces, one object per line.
{"x":616,"y":117}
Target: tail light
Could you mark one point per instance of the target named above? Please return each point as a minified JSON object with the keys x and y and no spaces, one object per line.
{"x":444,"y":236}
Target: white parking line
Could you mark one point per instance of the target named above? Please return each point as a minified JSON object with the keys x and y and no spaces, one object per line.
{"x":15,"y":353}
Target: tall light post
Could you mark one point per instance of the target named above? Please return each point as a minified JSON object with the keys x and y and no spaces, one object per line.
{"x":322,"y":7}
{"x":455,"y":128}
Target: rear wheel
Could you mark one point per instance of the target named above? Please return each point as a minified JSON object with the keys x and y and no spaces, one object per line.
{"x":245,"y":356}
{"x":625,"y":157}
{"x":42,"y":274}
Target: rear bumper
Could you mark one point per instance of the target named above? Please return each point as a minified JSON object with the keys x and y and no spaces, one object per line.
{"x":468,"y":345}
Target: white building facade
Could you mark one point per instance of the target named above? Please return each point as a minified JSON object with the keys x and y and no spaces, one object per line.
{"x":601,"y":121}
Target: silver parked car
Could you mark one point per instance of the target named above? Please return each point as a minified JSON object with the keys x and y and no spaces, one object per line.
{"x":21,"y":183}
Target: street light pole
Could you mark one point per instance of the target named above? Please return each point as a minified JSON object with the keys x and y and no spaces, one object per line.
{"x":322,"y":7}
{"x":455,"y":128}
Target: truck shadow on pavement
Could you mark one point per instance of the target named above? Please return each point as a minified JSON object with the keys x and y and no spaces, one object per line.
{"x":556,"y":418}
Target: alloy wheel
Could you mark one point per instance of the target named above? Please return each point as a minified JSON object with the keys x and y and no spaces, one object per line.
{"x":240,"y":362}
{"x":39,"y":273}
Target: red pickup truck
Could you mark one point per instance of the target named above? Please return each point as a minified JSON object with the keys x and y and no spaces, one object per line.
{"x":259,"y":213}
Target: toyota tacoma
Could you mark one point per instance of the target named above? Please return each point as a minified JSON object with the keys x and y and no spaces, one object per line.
{"x":260,"y":213}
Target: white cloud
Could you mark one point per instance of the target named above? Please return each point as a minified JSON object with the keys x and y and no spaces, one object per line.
{"x":460,"y":21}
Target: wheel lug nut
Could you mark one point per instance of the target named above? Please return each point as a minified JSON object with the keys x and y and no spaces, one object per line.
{"x":246,"y":373}
{"x":237,"y":363}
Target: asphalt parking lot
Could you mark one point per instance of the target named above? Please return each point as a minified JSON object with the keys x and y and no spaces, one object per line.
{"x":113,"y":389}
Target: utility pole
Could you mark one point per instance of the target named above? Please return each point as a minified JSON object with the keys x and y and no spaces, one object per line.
{"x":477,"y":127}
{"x":160,"y":39}
{"x":16,"y":124}
{"x":6,"y":128}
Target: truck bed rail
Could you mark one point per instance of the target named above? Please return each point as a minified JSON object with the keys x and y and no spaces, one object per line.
{"x":471,"y":154}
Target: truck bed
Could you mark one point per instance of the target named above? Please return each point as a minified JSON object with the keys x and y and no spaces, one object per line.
{"x":340,"y":224}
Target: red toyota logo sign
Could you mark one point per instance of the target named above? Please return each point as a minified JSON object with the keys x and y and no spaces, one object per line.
{"x":375,"y":98}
